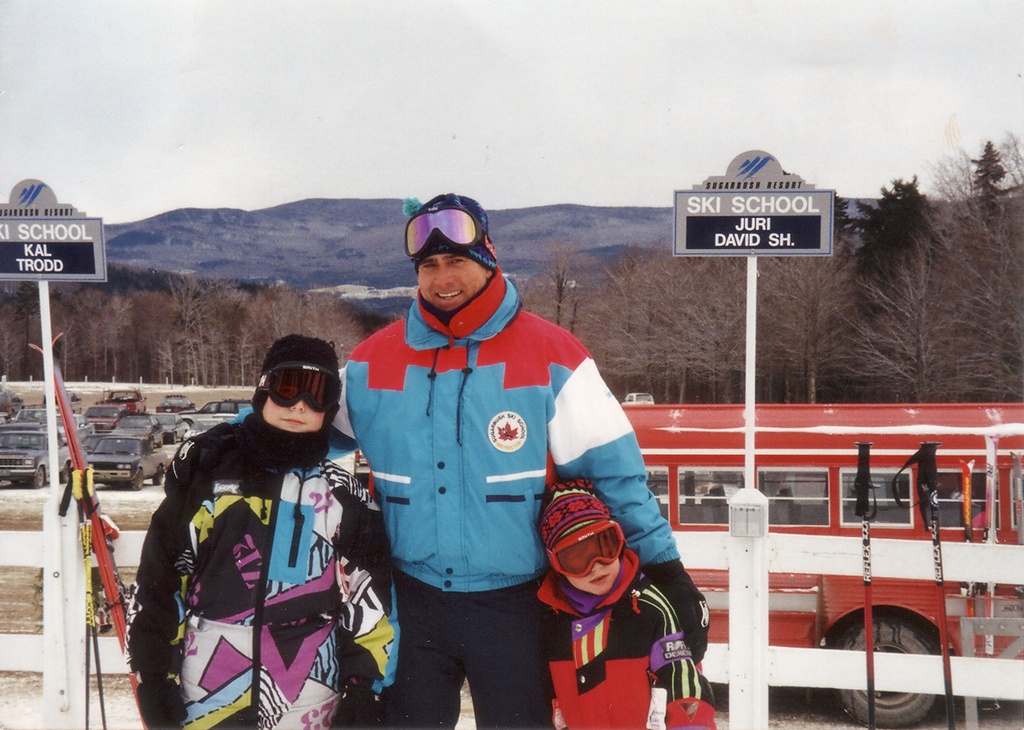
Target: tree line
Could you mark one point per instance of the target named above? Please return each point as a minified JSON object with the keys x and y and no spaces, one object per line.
{"x":922,"y":300}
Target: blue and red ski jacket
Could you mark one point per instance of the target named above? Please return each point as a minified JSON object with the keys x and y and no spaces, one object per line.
{"x":464,"y":423}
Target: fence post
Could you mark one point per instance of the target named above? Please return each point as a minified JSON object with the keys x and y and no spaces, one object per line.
{"x":748,"y":609}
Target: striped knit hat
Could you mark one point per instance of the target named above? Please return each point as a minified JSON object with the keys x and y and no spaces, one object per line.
{"x":569,"y":506}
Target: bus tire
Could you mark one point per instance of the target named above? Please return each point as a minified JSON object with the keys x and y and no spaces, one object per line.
{"x":892,"y":709}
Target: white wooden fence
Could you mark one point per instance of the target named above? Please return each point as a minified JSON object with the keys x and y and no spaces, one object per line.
{"x":59,"y":652}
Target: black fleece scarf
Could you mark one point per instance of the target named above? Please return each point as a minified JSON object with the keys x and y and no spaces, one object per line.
{"x":272,"y":448}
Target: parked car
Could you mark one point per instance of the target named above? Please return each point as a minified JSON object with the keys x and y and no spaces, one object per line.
{"x":140,"y":424}
{"x":90,"y":440}
{"x":84,"y":427}
{"x":636,"y":398}
{"x":174,"y":426}
{"x":201,"y":424}
{"x":25,"y":456}
{"x":127,"y":460}
{"x":175,"y":404}
{"x":10,"y":403}
{"x":225,"y":409}
{"x":131,"y":399}
{"x":73,"y":399}
{"x":30,"y":418}
{"x":104,"y":418}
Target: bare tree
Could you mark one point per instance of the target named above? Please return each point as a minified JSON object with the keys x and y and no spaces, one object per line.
{"x":904,"y":342}
{"x":805,"y":302}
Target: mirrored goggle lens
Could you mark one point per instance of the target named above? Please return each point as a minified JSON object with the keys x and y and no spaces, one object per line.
{"x":455,"y":224}
{"x":578,"y":557}
{"x":287,"y":384}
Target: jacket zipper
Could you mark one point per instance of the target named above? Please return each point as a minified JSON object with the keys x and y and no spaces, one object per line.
{"x":260,"y":598}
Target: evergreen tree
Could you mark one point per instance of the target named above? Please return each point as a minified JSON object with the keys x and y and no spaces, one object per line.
{"x":890,"y":230}
{"x":988,"y":174}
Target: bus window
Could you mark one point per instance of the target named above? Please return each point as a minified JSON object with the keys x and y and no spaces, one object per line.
{"x":796,"y":497}
{"x":657,"y":482}
{"x":704,"y":495}
{"x":889,"y":513}
{"x":951,"y":510}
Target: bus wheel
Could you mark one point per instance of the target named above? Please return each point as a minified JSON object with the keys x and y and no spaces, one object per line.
{"x":892,"y":709}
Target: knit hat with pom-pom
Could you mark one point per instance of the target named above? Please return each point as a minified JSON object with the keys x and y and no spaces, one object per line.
{"x":569,"y":506}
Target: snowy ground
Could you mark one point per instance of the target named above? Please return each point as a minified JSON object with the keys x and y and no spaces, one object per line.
{"x":791,"y":709}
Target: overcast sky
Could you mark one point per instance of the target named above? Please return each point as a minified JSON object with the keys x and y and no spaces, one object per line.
{"x":128,"y":108}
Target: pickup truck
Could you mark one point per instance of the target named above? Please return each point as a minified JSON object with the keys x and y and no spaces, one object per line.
{"x":127,"y":460}
{"x":24,"y":458}
{"x":131,"y":399}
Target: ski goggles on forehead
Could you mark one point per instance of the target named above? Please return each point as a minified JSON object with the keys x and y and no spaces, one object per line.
{"x":290,"y":382}
{"x":577,"y":554}
{"x":459,"y":226}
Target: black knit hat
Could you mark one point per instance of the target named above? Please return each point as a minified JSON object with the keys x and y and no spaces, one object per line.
{"x":301,"y":349}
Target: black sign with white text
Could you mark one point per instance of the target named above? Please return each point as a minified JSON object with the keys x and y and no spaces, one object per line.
{"x":770,"y":234}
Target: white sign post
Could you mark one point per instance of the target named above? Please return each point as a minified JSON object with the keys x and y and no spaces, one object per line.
{"x":755,"y":209}
{"x":40,"y":240}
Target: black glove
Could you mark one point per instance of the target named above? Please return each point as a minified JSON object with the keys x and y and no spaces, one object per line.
{"x":672,"y":579}
{"x":160,"y":702}
{"x":359,"y":707}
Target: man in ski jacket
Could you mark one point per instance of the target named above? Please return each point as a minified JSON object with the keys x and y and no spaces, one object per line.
{"x":618,"y":655}
{"x":464,"y":411}
{"x":263,"y":592}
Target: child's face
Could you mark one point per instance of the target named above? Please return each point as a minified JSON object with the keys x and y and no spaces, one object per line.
{"x":297,"y":418}
{"x":599,"y":580}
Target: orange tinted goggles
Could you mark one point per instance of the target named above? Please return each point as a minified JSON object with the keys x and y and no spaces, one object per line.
{"x":577,"y":554}
{"x":290,"y":382}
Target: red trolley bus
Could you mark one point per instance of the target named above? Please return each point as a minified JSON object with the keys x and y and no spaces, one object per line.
{"x":806,"y":461}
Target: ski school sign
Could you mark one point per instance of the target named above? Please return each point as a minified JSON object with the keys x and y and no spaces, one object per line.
{"x":755,"y":208}
{"x":43,"y":239}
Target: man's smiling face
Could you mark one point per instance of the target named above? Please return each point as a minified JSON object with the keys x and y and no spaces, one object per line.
{"x":447,"y":280}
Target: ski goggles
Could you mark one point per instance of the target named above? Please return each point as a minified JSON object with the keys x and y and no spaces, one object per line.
{"x":459,"y":226}
{"x":577,"y":554}
{"x":290,"y":382}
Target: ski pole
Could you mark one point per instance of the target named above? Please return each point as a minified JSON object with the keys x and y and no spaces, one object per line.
{"x":990,"y":538}
{"x":865,"y":509}
{"x":966,"y":469}
{"x":928,"y":501}
{"x":1017,"y":495}
{"x":967,"y":510}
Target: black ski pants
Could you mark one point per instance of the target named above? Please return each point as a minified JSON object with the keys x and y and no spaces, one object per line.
{"x":490,"y":638}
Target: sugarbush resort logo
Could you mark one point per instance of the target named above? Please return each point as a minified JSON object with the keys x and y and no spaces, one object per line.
{"x":29,"y":193}
{"x":507,"y":432}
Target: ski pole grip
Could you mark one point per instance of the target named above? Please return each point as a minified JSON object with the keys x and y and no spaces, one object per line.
{"x":862,"y":482}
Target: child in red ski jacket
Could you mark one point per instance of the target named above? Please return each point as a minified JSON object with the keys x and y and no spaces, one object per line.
{"x":617,"y":655}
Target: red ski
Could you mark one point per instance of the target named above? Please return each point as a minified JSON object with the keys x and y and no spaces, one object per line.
{"x":98,"y":530}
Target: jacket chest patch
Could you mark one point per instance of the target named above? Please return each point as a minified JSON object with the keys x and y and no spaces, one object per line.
{"x":507,"y":432}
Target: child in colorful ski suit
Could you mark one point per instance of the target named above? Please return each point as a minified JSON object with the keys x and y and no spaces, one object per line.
{"x":263,"y":593}
{"x":617,"y":654}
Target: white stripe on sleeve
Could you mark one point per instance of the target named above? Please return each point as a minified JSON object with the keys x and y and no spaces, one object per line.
{"x":586,"y":415}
